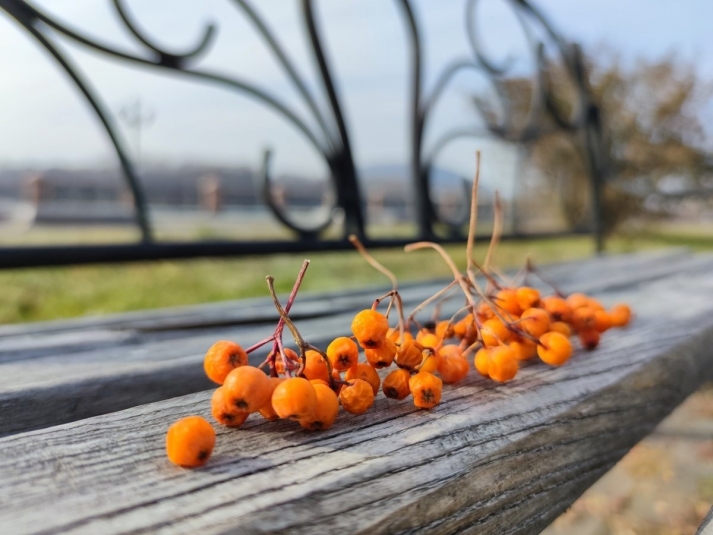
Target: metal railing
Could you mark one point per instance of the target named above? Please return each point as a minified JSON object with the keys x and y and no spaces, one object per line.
{"x":331,"y":137}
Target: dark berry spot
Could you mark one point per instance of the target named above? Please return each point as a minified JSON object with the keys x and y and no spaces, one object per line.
{"x":427,"y":395}
{"x":391,"y":392}
{"x":370,"y":344}
{"x":344,"y":360}
{"x":234,"y":360}
{"x":241,"y":404}
{"x":203,"y":455}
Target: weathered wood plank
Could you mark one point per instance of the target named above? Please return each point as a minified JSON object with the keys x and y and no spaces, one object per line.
{"x":489,"y":459}
{"x":89,"y":372}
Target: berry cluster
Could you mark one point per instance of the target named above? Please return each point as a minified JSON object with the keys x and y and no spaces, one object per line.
{"x":506,"y":322}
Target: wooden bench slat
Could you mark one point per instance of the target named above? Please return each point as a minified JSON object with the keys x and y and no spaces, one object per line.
{"x":489,"y":459}
{"x":100,"y":374}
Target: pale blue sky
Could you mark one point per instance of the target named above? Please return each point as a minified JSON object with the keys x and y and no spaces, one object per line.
{"x":44,"y":121}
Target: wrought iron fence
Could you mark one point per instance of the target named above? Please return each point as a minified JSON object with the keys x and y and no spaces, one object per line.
{"x":331,"y":137}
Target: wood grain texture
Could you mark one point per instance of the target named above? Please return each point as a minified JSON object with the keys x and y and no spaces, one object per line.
{"x":94,"y":366}
{"x":489,"y":459}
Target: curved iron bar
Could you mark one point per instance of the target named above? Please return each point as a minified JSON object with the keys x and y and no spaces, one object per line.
{"x":306,"y":233}
{"x":140,"y":209}
{"x":289,"y":67}
{"x":175,"y":60}
{"x":348,"y":196}
{"x":476,"y":44}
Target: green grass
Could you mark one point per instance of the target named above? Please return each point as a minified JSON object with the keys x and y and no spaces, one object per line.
{"x":51,"y":293}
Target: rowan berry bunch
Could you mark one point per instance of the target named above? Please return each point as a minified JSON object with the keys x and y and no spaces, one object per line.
{"x":502,"y":324}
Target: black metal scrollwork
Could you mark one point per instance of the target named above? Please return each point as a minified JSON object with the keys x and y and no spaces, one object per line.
{"x":331,"y":138}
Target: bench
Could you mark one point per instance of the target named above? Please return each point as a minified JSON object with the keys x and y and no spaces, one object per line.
{"x":84,"y":445}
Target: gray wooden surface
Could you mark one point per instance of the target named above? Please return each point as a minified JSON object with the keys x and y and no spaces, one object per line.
{"x":489,"y":459}
{"x":92,"y":366}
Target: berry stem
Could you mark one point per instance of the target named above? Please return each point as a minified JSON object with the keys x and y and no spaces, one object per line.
{"x":373,"y":262}
{"x":497,"y":231}
{"x":261,"y":343}
{"x":428,"y":301}
{"x":473,"y":214}
{"x":530,"y":268}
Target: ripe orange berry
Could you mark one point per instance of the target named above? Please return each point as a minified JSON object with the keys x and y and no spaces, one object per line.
{"x":382,"y":357}
{"x":222,"y":358}
{"x":557,"y":308}
{"x":294,"y":399}
{"x":325,"y":412}
{"x":535,"y":321}
{"x":577,"y":300}
{"x":357,"y":396}
{"x":483,"y":311}
{"x":430,"y":361}
{"x":395,"y":385}
{"x":583,"y":318}
{"x":620,"y":315}
{"x":291,"y":356}
{"x":602,"y":321}
{"x":524,"y":349}
{"x":267,"y":411}
{"x":426,"y":389}
{"x":594,"y":304}
{"x":190,"y":441}
{"x":394,"y":334}
{"x":503,"y":364}
{"x":315,"y":366}
{"x":589,"y":338}
{"x":366,"y":373}
{"x":460,"y":329}
{"x":247,"y":389}
{"x":430,"y":340}
{"x":452,"y":367}
{"x":527,"y":297}
{"x":494,"y":331}
{"x":226,"y":414}
{"x":444,"y":330}
{"x":343,"y":353}
{"x":409,"y":355}
{"x":561,"y":327}
{"x":556,"y":348}
{"x":482,"y":361}
{"x":507,"y":300}
{"x":370,"y":328}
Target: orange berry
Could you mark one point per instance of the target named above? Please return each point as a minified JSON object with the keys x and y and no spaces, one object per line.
{"x":594,"y":304}
{"x":482,"y":361}
{"x":343,"y":353}
{"x":426,"y":389}
{"x":460,"y":329}
{"x":524,"y":349}
{"x":394,"y":334}
{"x":395,"y":385}
{"x":294,"y":399}
{"x":484,"y":312}
{"x":366,"y":373}
{"x":507,"y":300}
{"x":430,"y":361}
{"x":602,"y":321}
{"x":291,"y":356}
{"x":503,"y":364}
{"x":430,"y":340}
{"x":561,"y":327}
{"x":535,"y":321}
{"x":577,"y":300}
{"x":556,"y":348}
{"x":319,"y":382}
{"x":370,"y":328}
{"x":190,"y":441}
{"x":267,"y":411}
{"x":589,"y":338}
{"x":315,"y":366}
{"x":409,"y":355}
{"x":450,"y":349}
{"x":444,"y":330}
{"x":494,"y":331}
{"x":527,"y":297}
{"x":325,"y":411}
{"x":452,"y":367}
{"x":222,"y":358}
{"x":382,"y":357}
{"x":620,"y":315}
{"x":557,"y":308}
{"x":583,"y":318}
{"x":357,"y":396}
{"x":226,"y":414}
{"x":247,"y":388}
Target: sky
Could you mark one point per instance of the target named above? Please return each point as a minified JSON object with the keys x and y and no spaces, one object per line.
{"x":45,"y":122}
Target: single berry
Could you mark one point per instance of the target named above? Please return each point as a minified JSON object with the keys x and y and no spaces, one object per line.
{"x":395,"y":385}
{"x":343,"y":353}
{"x":482,"y":361}
{"x":589,"y":339}
{"x":190,"y":441}
{"x":222,"y":358}
{"x":561,"y":327}
{"x":507,"y":300}
{"x":524,"y":349}
{"x":267,"y":411}
{"x":325,"y":412}
{"x":527,"y":297}
{"x":602,"y":321}
{"x":357,"y":396}
{"x":370,"y":328}
{"x":557,"y":308}
{"x":382,"y":357}
{"x":620,"y":315}
{"x":426,"y":389}
{"x":503,"y":364}
{"x":556,"y":349}
{"x":294,"y":399}
{"x":452,"y":368}
{"x":494,"y":332}
{"x":316,"y":366}
{"x":535,"y":321}
{"x":225,"y":413}
{"x":366,"y":373}
{"x":409,"y":355}
{"x":247,"y":388}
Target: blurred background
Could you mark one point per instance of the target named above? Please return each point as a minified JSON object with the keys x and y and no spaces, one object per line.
{"x":198,"y":148}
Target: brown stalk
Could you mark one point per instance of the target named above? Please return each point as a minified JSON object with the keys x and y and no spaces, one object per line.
{"x":373,"y":262}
